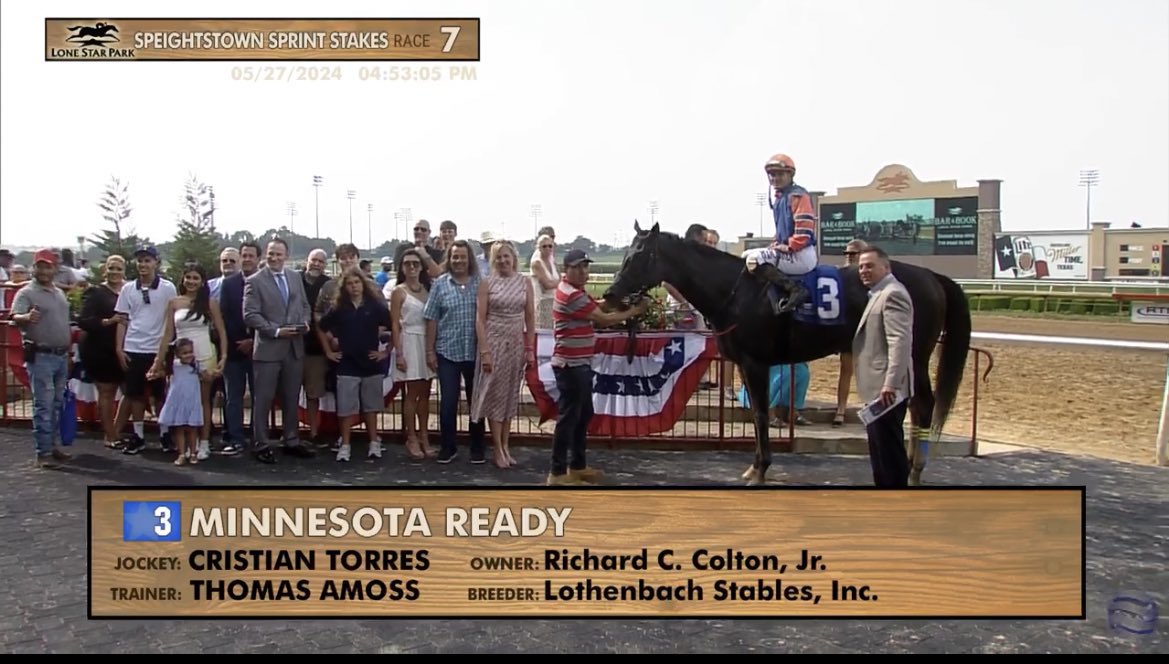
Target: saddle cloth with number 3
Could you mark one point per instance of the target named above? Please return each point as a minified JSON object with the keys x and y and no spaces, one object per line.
{"x":825,"y":306}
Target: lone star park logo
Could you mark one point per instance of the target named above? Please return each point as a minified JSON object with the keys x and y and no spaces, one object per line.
{"x":892,"y":184}
{"x":92,"y":41}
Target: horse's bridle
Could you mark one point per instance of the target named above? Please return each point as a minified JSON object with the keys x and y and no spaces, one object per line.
{"x":637,"y":295}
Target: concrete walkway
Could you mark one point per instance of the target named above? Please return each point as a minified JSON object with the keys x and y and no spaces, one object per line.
{"x":42,"y":559}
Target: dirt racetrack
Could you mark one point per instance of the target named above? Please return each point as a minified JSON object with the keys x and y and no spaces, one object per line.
{"x":1093,"y":401}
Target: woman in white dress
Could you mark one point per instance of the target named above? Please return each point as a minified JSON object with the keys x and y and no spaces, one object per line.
{"x":406,"y":306}
{"x":545,"y":278}
{"x":192,"y":315}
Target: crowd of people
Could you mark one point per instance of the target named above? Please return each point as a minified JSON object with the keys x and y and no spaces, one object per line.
{"x":439,"y":310}
{"x":448,"y":314}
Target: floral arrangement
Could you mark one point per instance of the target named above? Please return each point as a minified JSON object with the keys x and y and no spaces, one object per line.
{"x":659,"y":317}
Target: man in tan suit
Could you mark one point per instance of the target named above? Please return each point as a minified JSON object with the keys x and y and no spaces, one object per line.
{"x":882,"y":353}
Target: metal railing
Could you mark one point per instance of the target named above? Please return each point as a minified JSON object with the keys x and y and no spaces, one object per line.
{"x":1102,"y":288}
{"x":712,"y":416}
{"x":1007,"y":286}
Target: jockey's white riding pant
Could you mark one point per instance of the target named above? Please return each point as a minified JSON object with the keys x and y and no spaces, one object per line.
{"x":792,"y":264}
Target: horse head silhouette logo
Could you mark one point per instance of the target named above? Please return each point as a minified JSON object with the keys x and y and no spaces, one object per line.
{"x":98,"y":35}
{"x":891,"y":184}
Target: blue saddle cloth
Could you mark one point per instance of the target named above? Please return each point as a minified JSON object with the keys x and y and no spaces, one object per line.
{"x":825,"y":306}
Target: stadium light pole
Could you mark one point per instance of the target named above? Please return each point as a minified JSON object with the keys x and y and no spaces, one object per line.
{"x":351,"y":194}
{"x":369,"y":227}
{"x":1088,"y":179}
{"x":291,"y":227}
{"x":761,"y":201}
{"x":318,"y":182}
{"x":211,"y":203}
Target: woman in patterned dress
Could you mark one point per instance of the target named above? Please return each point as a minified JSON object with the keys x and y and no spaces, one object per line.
{"x":505,"y":326}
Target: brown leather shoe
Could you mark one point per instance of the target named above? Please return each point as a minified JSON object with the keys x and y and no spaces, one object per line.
{"x":566,"y":479}
{"x":590,"y":475}
{"x":61,"y":455}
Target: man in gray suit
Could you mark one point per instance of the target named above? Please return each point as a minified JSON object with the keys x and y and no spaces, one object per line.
{"x":882,"y":352}
{"x":276,"y":307}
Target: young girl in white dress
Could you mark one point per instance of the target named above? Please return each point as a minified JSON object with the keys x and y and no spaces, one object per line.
{"x":183,"y":411}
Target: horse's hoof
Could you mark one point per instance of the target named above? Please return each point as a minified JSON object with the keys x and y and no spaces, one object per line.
{"x":753,"y":476}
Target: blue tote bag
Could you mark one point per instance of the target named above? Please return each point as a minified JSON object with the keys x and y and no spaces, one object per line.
{"x":68,"y":424}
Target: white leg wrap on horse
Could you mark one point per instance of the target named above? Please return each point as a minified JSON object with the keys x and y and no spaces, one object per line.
{"x":919,"y":446}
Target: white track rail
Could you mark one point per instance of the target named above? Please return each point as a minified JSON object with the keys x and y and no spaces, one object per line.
{"x":1072,"y":341}
{"x":1162,"y":444}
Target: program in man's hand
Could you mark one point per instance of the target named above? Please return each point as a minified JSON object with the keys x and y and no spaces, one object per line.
{"x":876,"y":408}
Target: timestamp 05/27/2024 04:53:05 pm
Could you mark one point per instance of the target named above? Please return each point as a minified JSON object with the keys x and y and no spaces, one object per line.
{"x":366,"y":73}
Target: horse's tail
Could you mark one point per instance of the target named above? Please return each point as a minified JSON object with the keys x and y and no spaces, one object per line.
{"x":955,"y":348}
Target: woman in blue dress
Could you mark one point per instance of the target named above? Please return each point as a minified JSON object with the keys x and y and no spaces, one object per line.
{"x":780,"y":394}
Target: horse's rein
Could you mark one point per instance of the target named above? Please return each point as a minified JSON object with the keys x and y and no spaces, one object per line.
{"x":730,"y":299}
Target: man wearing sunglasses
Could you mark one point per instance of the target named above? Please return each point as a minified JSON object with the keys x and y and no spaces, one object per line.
{"x":228,"y":265}
{"x":432,"y":257}
{"x":141,"y":309}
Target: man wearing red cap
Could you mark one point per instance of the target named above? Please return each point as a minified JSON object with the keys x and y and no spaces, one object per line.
{"x":793,"y":253}
{"x":41,"y":312}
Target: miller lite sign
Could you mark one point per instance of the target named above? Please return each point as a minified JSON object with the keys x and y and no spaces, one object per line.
{"x":1041,"y":256}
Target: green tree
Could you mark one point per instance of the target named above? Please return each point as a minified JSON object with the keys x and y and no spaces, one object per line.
{"x":196,"y":240}
{"x":119,"y":238}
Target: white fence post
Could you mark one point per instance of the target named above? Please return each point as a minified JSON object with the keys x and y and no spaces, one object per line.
{"x":1163,"y":429}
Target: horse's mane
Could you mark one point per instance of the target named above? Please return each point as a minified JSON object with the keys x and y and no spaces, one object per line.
{"x":703,"y":250}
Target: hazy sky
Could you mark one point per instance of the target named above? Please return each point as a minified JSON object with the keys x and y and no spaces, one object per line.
{"x":592,"y":109}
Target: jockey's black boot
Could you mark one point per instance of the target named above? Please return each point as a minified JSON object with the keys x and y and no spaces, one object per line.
{"x":797,"y":294}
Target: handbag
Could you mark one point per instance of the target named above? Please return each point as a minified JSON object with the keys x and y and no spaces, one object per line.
{"x":68,"y":415}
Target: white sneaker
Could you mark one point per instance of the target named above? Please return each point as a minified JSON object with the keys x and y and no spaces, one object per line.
{"x":375,"y":449}
{"x":343,"y":453}
{"x":204,"y":450}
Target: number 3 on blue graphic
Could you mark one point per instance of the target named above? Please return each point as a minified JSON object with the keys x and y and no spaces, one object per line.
{"x":829,"y":292}
{"x":151,"y":521}
{"x":163,"y":514}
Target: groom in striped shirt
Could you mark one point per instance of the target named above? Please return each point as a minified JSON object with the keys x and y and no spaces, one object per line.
{"x":575,"y":314}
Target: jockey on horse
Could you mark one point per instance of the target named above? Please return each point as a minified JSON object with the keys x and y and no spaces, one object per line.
{"x":793,"y":254}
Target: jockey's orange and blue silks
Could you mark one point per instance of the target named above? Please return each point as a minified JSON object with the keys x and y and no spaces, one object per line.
{"x":795,"y":218}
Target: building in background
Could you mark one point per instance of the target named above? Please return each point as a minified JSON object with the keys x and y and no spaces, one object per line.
{"x":1128,"y":253}
{"x":937,"y":225}
{"x":1102,"y":254}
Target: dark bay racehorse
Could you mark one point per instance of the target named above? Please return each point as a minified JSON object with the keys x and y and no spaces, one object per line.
{"x":750,"y":335}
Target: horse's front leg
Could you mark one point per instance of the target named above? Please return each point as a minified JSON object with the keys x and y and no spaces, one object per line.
{"x":756,"y":378}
